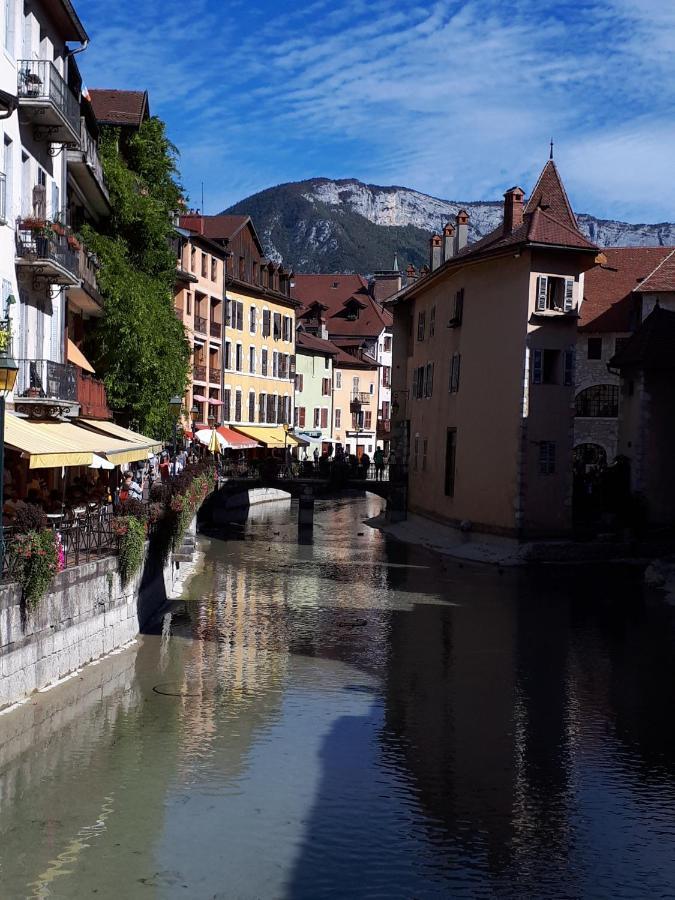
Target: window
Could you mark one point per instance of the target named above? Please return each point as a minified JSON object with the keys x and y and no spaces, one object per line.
{"x":326,"y":362}
{"x":188,"y":302}
{"x":225,"y":409}
{"x":386,"y":376}
{"x":356,"y":381}
{"x":252,"y":320}
{"x":371,"y":388}
{"x":432,"y":322}
{"x":262,"y":407}
{"x":428,"y":379}
{"x":325,"y":387}
{"x":251,"y":406}
{"x":458,"y":309}
{"x":387,"y":343}
{"x":554,"y":294}
{"x":263,"y":361}
{"x":271,"y":409}
{"x":450,"y":454}
{"x":275,"y":364}
{"x":455,"y":363}
{"x":545,"y":366}
{"x":416,"y":454}
{"x":193,"y":257}
{"x":595,"y":348}
{"x":9,"y":26}
{"x":300,"y":416}
{"x":338,"y":417}
{"x":324,"y":417}
{"x":228,"y":355}
{"x":237,"y":406}
{"x":568,"y":367}
{"x":239,"y":358}
{"x":598,"y":401}
{"x":266,"y":323}
{"x":620,"y":343}
{"x":238,"y":313}
{"x":251,"y":360}
{"x":546,"y":457}
{"x":277,"y":326}
{"x":418,"y":383}
{"x":299,"y":381}
{"x":338,"y":380}
{"x":214,"y":268}
{"x":368,"y":420}
{"x":317,"y":416}
{"x":385,"y":410}
{"x":288,"y":328}
{"x":8,"y":163}
{"x":424,"y":454}
{"x":421,"y":325}
{"x":281,"y":409}
{"x":205,"y":264}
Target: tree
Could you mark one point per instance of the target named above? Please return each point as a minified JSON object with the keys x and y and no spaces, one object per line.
{"x":139,"y":344}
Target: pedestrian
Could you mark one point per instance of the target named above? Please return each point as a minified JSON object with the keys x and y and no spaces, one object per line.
{"x":165,"y":467}
{"x":316,"y":457}
{"x":378,"y":459}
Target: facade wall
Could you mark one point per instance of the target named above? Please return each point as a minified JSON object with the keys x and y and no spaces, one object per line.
{"x":313,"y":369}
{"x":601,"y":431}
{"x":343,"y":388}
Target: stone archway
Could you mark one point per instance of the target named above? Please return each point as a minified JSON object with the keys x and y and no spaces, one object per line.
{"x":589,"y":454}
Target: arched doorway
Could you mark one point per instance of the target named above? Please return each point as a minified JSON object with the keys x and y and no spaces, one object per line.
{"x":589,"y":464}
{"x":590,"y":455}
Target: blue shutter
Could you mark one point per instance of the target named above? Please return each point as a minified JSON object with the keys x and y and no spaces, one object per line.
{"x":569,"y":295}
{"x":542,"y":288}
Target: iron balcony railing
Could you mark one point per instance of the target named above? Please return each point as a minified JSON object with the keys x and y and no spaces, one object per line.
{"x":199,"y":372}
{"x":46,"y":379}
{"x":89,"y":148}
{"x":214,"y":376}
{"x":360,"y":397}
{"x":39,"y":79}
{"x":33,"y":244}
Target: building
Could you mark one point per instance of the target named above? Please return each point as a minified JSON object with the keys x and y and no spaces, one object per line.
{"x":483,"y":373}
{"x":240,"y":316}
{"x":355,"y":396}
{"x":344,"y":308}
{"x":313,"y":417}
{"x":615,"y":292}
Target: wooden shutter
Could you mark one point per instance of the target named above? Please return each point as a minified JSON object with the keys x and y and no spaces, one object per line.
{"x":542,"y":289}
{"x":301,"y":417}
{"x":262,"y":407}
{"x":317,"y":413}
{"x":537,"y":360}
{"x":324,"y":418}
{"x":569,"y":295}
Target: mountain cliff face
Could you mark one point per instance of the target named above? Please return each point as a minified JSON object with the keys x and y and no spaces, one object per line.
{"x":322,"y":225}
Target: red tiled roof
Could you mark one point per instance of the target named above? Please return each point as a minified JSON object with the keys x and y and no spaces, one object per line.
{"x":653,"y":344}
{"x":608,"y":288}
{"x":312,"y":342}
{"x":550,"y":195}
{"x":222,"y":228}
{"x":334,"y":293}
{"x":663,"y":276}
{"x":112,"y":107}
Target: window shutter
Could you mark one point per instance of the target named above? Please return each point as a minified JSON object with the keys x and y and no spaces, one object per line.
{"x":542,"y":288}
{"x":537,"y":359}
{"x":324,"y":418}
{"x":569,"y":295}
{"x":301,"y":417}
{"x":568,"y":374}
{"x":431,"y":379}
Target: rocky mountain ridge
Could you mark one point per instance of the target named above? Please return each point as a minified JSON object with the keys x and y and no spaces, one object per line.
{"x":326,"y":225}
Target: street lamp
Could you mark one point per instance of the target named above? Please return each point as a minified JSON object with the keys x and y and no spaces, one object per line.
{"x":175,"y":405}
{"x":8,"y":373}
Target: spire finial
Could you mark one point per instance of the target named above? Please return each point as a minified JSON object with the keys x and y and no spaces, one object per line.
{"x":395,"y":262}
{"x":550,"y":156}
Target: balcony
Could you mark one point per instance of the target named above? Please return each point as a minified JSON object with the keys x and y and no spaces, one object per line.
{"x":216,"y":329}
{"x":214,"y":376}
{"x":92,"y":397}
{"x":201,"y":325}
{"x":46,"y":101}
{"x":199,"y":373}
{"x":85,"y":165}
{"x":45,"y":389}
{"x":85,"y":295}
{"x":40,"y":248}
{"x":360,"y":397}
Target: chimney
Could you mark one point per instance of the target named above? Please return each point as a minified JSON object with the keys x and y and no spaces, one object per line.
{"x":411,"y":274}
{"x":385,"y":285}
{"x":193,"y":222}
{"x":448,"y":242}
{"x":513,"y":209}
{"x":462,"y":230}
{"x":435,"y":251}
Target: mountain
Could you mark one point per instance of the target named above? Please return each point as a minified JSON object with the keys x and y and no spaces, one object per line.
{"x":321,"y":225}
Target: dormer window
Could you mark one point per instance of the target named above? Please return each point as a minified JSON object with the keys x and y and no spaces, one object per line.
{"x":554,"y":294}
{"x":352,"y":312}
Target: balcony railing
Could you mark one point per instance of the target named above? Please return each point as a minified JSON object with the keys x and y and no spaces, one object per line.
{"x":38,"y":246}
{"x":92,"y":397}
{"x":89,"y":149}
{"x":216,"y":329}
{"x":201,"y":325}
{"x":88,"y":267}
{"x":43,"y":379}
{"x":44,"y":93}
{"x":199,"y":373}
{"x":361,"y":398}
{"x":214,"y":376}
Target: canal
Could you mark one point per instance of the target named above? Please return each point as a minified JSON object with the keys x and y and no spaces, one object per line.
{"x":352,"y":717}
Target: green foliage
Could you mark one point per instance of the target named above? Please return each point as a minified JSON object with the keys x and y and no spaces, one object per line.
{"x":184,"y":505}
{"x":132,"y":534}
{"x":34,"y":561}
{"x":139,"y":344}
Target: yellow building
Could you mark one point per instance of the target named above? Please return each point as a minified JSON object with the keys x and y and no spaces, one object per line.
{"x":240,"y":320}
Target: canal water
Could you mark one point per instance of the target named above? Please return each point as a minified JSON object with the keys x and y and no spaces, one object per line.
{"x":352,"y":718}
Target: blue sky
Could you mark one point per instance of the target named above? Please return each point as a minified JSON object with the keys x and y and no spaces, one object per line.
{"x":455,"y":99}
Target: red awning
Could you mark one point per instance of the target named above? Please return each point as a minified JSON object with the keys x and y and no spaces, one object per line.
{"x":235,"y":440}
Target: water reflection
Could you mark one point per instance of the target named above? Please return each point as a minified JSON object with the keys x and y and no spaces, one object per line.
{"x":351,"y":717}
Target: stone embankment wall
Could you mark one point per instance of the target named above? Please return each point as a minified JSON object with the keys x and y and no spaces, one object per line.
{"x":87,"y":614}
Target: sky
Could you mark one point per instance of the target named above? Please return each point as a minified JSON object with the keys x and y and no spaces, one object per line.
{"x":454,"y":99}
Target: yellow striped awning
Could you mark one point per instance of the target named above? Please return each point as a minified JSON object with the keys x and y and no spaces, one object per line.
{"x":274,"y":436}
{"x":115,"y":450}
{"x":123,"y":434}
{"x":45,"y":448}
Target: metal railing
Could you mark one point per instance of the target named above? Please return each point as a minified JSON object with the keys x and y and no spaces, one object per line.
{"x":361,"y":397}
{"x":46,"y":379}
{"x":199,"y":373}
{"x":214,"y":376}
{"x":33,"y":244}
{"x":215,"y":329}
{"x":88,"y":268}
{"x":89,"y":148}
{"x":39,"y":79}
{"x":201,"y":325}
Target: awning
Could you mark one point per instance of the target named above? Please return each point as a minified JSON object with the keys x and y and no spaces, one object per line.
{"x":116,"y":451}
{"x":77,"y":357}
{"x":274,"y":436}
{"x":236,"y":441}
{"x":123,"y":434}
{"x":44,"y":448}
{"x":101,"y":463}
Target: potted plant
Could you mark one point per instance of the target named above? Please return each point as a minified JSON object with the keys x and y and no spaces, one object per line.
{"x":5,"y":335}
{"x":32,"y":223}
